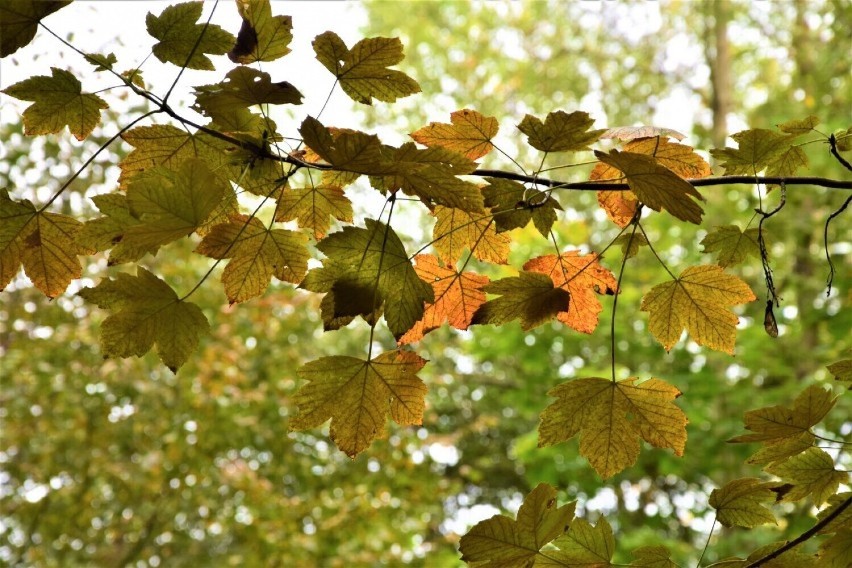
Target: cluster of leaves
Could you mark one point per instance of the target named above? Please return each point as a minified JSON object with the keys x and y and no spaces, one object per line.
{"x":180,"y":182}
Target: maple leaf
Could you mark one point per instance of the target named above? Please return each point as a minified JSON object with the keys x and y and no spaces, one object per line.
{"x":774,"y":423}
{"x":58,"y":101}
{"x":146,"y":313}
{"x":655,"y":185}
{"x":634,"y":132}
{"x":102,"y":62}
{"x":583,"y":545}
{"x":653,"y":557}
{"x":367,"y":269}
{"x":503,"y":542}
{"x":620,"y":206}
{"x":469,"y":134}
{"x":185,"y":42}
{"x":732,"y":244}
{"x":837,"y":550}
{"x":810,"y":472}
{"x":697,"y":301}
{"x":514,"y":205}
{"x":843,"y":519}
{"x":107,"y":232}
{"x":457,"y":230}
{"x":529,"y":297}
{"x":257,"y":254}
{"x":262,"y":36}
{"x":363,"y":72}
{"x":358,"y":395}
{"x":630,"y":243}
{"x":350,"y":151}
{"x":44,"y":243}
{"x":311,"y":207}
{"x":582,"y":277}
{"x":172,"y":204}
{"x":457,"y":297}
{"x":758,"y":149}
{"x":781,"y":448}
{"x":737,"y":503}
{"x":244,"y":87}
{"x":560,"y":131}
{"x":799,"y":126}
{"x":842,"y":370}
{"x":19,"y":21}
{"x":611,"y":417}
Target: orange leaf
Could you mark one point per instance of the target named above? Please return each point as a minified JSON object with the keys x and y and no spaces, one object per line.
{"x":457,"y":297}
{"x":469,"y":134}
{"x":581,"y":276}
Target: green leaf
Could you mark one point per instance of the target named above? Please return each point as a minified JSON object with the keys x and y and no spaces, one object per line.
{"x":843,"y":518}
{"x":348,"y":151}
{"x":583,"y":545}
{"x":262,"y":36}
{"x":811,"y":472}
{"x":800,"y":126}
{"x":244,"y":87}
{"x":501,"y":541}
{"x":529,"y":297}
{"x":653,"y":557}
{"x":185,"y":42}
{"x":758,"y":149}
{"x":731,"y":245}
{"x":364,"y":71}
{"x":107,"y":232}
{"x":311,"y":207}
{"x":655,"y":185}
{"x":58,"y":101}
{"x":781,"y":448}
{"x":19,"y":21}
{"x":560,"y":131}
{"x":368,"y":269}
{"x":457,"y":230}
{"x":837,"y":550}
{"x":842,"y":370}
{"x":514,"y":205}
{"x":738,"y":503}
{"x":146,"y":313}
{"x":774,"y":423}
{"x":630,"y":243}
{"x":359,"y":395}
{"x":100,"y":61}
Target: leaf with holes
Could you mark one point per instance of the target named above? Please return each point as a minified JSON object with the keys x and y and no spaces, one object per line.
{"x":359,"y":395}
{"x":185,"y":42}
{"x":731,"y":244}
{"x":312,"y":207}
{"x":738,"y":503}
{"x":469,"y":134}
{"x":514,"y":205}
{"x":457,"y":230}
{"x":262,"y":36}
{"x":244,"y":87}
{"x":811,"y":472}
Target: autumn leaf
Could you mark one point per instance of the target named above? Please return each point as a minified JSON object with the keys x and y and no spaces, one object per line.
{"x":758,"y":149}
{"x":359,"y":395}
{"x":311,"y":207}
{"x":697,"y":301}
{"x":367,"y":269}
{"x":731,"y":244}
{"x":529,"y":297}
{"x":244,"y":87}
{"x":583,"y":545}
{"x":781,"y":448}
{"x":611,"y":418}
{"x":457,"y":230}
{"x":514,"y":205}
{"x":364,"y":71}
{"x":653,"y":557}
{"x":634,"y":132}
{"x":842,"y":519}
{"x":58,"y":101}
{"x":582,"y":277}
{"x":560,"y":131}
{"x":146,"y":313}
{"x":630,"y":243}
{"x":779,"y":422}
{"x":257,"y":254}
{"x":457,"y":297}
{"x":185,"y":42}
{"x":811,"y":472}
{"x":107,"y":232}
{"x":503,"y":542}
{"x":469,"y":134}
{"x":262,"y":36}
{"x":837,"y":550}
{"x":620,"y":206}
{"x":346,"y":150}
{"x":655,"y":185}
{"x":738,"y":503}
{"x":102,"y":62}
{"x":842,"y":370}
{"x":19,"y":20}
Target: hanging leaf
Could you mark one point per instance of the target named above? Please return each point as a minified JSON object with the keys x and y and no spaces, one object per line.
{"x":359,"y":395}
{"x":244,"y":87}
{"x":653,"y":557}
{"x":262,"y":36}
{"x":469,"y":134}
{"x":58,"y":101}
{"x":630,"y":244}
{"x":19,"y":20}
{"x":146,"y":313}
{"x":758,"y":149}
{"x":842,"y":370}
{"x":634,"y":132}
{"x":698,"y":301}
{"x":502,"y":541}
{"x":811,"y":472}
{"x":611,"y":418}
{"x":801,"y":126}
{"x":584,"y":545}
{"x":364,"y":71}
{"x":350,"y":151}
{"x":457,"y":230}
{"x":560,"y":131}
{"x":311,"y":207}
{"x":185,"y":42}
{"x":102,"y":62}
{"x":620,"y":206}
{"x":107,"y":232}
{"x":514,"y":205}
{"x":738,"y":503}
{"x":457,"y":297}
{"x":774,"y":423}
{"x":731,"y":244}
{"x":529,"y":297}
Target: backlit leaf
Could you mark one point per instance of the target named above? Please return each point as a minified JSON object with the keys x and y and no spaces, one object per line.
{"x":634,"y":132}
{"x":257,"y":254}
{"x":837,"y":550}
{"x":19,"y":21}
{"x":620,"y":206}
{"x":757,"y":149}
{"x":146,"y":312}
{"x":731,"y":244}
{"x":655,"y":185}
{"x":560,"y":131}
{"x":262,"y":36}
{"x":457,"y":297}
{"x":514,"y":205}
{"x":244,"y":87}
{"x":679,"y":158}
{"x":469,"y":134}
{"x":185,"y":42}
{"x":842,"y":370}
{"x":843,"y":519}
{"x":457,"y":230}
{"x":697,"y":301}
{"x":529,"y":297}
{"x":503,"y":542}
{"x":346,"y":150}
{"x":811,"y":472}
{"x":364,"y":71}
{"x":583,"y":545}
{"x":778,"y":422}
{"x":630,"y":243}
{"x":311,"y":207}
{"x":611,"y":418}
{"x":359,"y":395}
{"x":58,"y":101}
{"x":738,"y":503}
{"x":107,"y":232}
{"x":102,"y":62}
{"x":782,"y":448}
{"x":582,"y":277}
{"x":653,"y":557}
{"x":799,"y":126}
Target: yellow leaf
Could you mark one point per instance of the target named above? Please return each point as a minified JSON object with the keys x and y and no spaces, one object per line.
{"x":802,"y":126}
{"x":842,"y":370}
{"x":738,"y":503}
{"x":810,"y":472}
{"x":758,"y":149}
{"x":560,"y":131}
{"x":611,"y":417}
{"x":731,"y":244}
{"x":620,"y":206}
{"x":262,"y":36}
{"x":779,"y":422}
{"x":358,"y":395}
{"x":653,"y":557}
{"x":311,"y":207}
{"x":183,"y":41}
{"x":781,"y":448}
{"x":697,"y":301}
{"x":837,"y":550}
{"x":469,"y":134}
{"x":348,"y":151}
{"x":630,"y":243}
{"x":457,"y":230}
{"x":842,"y":518}
{"x":583,"y":545}
{"x":19,"y":20}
